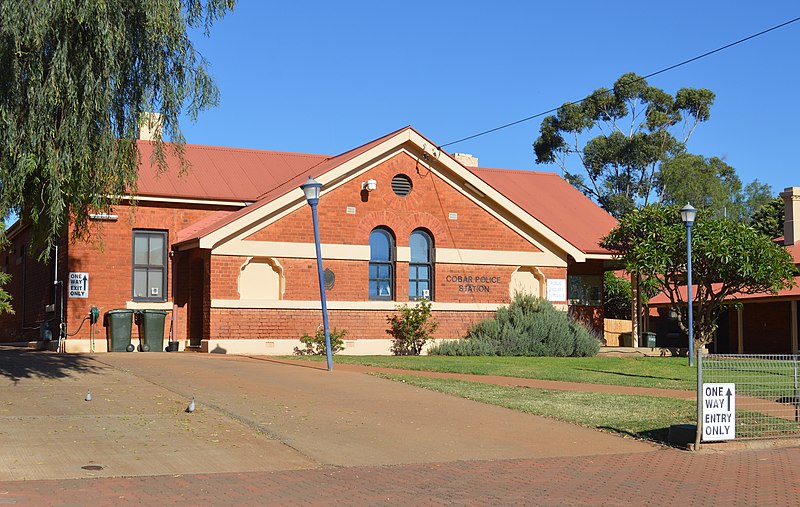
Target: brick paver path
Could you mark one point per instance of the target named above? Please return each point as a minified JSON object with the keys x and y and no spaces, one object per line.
{"x":660,"y":478}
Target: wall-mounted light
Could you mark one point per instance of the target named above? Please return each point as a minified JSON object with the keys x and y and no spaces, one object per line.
{"x":103,"y":216}
{"x":369,"y":185}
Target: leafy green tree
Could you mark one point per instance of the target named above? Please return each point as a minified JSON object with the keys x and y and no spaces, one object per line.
{"x":727,"y":258}
{"x":635,"y":128}
{"x":768,"y":219}
{"x":617,"y":296}
{"x":76,"y":77}
{"x":709,"y":184}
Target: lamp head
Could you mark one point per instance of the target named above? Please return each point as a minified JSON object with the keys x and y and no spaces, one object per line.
{"x":311,"y":188}
{"x":688,"y":214}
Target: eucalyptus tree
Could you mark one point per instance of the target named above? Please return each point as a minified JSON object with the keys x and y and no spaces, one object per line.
{"x":710,"y":184}
{"x":610,"y":145}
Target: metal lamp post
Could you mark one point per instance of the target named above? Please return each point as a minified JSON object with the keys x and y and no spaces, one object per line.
{"x":688,"y":214}
{"x":311,"y":188}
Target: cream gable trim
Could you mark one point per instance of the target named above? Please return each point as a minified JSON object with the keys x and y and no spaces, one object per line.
{"x":333,"y":178}
{"x":489,"y":191}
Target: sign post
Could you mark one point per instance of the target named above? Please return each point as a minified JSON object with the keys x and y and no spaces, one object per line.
{"x":79,"y":285}
{"x":719,"y":412}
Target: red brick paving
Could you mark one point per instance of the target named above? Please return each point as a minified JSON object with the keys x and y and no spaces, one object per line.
{"x":662,"y":477}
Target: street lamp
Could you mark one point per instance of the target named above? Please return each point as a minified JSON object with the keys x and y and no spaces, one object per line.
{"x":311,"y":188}
{"x":688,"y":214}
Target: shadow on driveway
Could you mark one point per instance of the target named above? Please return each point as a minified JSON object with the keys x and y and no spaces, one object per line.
{"x":20,"y":363}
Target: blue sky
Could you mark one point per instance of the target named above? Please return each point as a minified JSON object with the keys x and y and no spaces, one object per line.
{"x":324,"y":77}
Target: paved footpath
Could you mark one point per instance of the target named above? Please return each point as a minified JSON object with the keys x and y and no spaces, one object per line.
{"x":267,"y":433}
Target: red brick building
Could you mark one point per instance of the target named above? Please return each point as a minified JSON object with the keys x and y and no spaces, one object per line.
{"x":227,"y":248}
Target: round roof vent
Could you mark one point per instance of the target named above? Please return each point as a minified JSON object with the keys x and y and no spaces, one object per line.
{"x":401,"y":185}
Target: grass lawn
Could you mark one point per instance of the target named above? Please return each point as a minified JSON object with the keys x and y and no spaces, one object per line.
{"x":663,"y":372}
{"x":645,"y":417}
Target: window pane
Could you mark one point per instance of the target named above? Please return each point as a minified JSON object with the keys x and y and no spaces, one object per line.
{"x":420,"y":247}
{"x":412,"y":290}
{"x":154,"y":284}
{"x":139,"y":249}
{"x":156,"y":250}
{"x":373,"y":271}
{"x":379,"y":246}
{"x":423,"y":286}
{"x":423,"y":272}
{"x":385,"y":290}
{"x":140,"y":283}
{"x":373,"y":288}
{"x":412,"y":272}
{"x":383,"y":271}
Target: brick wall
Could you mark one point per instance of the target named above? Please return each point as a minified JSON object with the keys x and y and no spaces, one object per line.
{"x":107,"y":259}
{"x":428,"y":206}
{"x":766,"y":327}
{"x":269,"y":324}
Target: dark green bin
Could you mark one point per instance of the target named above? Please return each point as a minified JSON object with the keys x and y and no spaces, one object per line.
{"x":118,"y":325}
{"x":151,"y":329}
{"x":648,"y":340}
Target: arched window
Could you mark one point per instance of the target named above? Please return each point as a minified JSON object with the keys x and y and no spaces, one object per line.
{"x":420,"y":270}
{"x":381,"y":264}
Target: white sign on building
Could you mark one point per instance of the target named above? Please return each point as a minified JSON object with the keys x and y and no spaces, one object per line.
{"x":719,"y":412}
{"x":557,"y":290}
{"x":79,"y":285}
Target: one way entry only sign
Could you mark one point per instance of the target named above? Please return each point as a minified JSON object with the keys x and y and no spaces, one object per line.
{"x":719,"y":412}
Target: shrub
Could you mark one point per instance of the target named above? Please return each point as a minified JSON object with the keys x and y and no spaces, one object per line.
{"x":315,"y":345}
{"x":411,"y":328}
{"x":527,"y":327}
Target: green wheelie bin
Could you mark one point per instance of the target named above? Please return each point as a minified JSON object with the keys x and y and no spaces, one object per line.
{"x":118,"y":325}
{"x":151,"y":330}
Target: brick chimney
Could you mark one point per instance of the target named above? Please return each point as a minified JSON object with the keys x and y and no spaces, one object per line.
{"x":791,"y":223}
{"x":466,"y":159}
{"x":149,"y":126}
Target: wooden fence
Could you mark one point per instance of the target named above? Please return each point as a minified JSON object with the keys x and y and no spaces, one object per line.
{"x":614,"y":329}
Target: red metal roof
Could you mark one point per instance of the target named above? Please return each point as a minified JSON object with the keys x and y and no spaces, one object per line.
{"x":262,"y":176}
{"x":554,"y":202}
{"x":272,"y":193}
{"x":219,"y":173}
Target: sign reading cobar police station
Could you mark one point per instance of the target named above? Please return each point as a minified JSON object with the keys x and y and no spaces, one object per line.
{"x":719,"y":412}
{"x":79,"y":285}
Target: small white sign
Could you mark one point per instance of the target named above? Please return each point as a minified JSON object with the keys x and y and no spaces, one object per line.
{"x":719,"y":412}
{"x":79,"y":285}
{"x":557,"y":289}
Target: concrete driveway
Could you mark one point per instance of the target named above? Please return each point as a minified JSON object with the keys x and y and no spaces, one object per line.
{"x":253,"y":414}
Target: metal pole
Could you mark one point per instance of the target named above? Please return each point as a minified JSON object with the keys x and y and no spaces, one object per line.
{"x":689,"y":292}
{"x":699,"y":432}
{"x":794,"y":393}
{"x":322,"y":287}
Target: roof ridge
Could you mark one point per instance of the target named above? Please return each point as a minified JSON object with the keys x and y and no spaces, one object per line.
{"x":239,"y":149}
{"x":524,"y":171}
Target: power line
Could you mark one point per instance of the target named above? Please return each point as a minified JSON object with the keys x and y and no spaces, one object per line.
{"x":642,"y":78}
